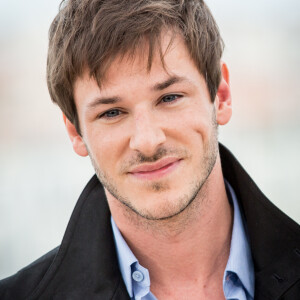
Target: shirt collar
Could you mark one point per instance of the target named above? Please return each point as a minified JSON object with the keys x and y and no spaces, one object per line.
{"x":125,"y":257}
{"x":240,"y":259}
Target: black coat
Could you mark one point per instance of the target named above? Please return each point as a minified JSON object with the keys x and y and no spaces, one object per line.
{"x":85,"y":265}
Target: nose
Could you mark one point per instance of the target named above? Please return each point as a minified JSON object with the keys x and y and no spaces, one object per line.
{"x":147,"y":135}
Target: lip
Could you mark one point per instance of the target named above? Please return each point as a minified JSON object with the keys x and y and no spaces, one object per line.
{"x":155,"y":170}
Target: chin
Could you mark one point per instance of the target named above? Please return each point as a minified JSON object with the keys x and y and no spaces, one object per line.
{"x":162,"y":208}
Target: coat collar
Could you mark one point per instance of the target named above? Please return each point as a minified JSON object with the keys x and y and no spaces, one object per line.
{"x":274,"y":237}
{"x":86,"y":266}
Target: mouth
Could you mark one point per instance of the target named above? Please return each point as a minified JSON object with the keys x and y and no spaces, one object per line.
{"x":156,"y":170}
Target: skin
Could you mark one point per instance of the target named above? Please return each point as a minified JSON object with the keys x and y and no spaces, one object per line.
{"x":177,"y":221}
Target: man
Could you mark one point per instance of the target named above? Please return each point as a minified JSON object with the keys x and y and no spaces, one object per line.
{"x":143,"y":90}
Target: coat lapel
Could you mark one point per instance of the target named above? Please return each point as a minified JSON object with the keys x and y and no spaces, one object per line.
{"x":274,"y":237}
{"x":85,"y":266}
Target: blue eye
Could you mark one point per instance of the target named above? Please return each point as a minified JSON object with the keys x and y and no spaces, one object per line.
{"x":169,"y":98}
{"x":111,"y":113}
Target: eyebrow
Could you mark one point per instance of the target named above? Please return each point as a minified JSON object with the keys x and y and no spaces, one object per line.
{"x":165,"y":84}
{"x":98,"y":101}
{"x":157,"y":87}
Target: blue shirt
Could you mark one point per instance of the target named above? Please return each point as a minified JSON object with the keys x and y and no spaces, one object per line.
{"x":238,"y":280}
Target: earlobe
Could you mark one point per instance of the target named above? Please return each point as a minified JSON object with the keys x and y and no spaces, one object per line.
{"x":223,"y":98}
{"x":77,"y":141}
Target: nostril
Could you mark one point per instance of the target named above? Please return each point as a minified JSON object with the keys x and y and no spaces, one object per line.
{"x":146,"y":139}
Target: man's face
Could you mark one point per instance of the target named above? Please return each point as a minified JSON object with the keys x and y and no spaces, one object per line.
{"x":151,"y":136}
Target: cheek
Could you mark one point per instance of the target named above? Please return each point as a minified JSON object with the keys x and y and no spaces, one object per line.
{"x":194,"y":124}
{"x":106,"y":146}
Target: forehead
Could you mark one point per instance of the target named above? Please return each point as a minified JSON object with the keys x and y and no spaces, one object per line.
{"x":167,"y":57}
{"x":131,"y":71}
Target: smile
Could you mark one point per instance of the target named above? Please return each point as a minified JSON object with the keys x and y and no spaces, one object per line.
{"x":156,"y":170}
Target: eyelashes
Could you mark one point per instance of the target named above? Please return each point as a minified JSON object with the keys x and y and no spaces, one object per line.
{"x":114,"y":113}
{"x":170,"y":98}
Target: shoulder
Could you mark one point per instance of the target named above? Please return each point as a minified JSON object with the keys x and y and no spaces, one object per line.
{"x":274,"y":237}
{"x":21,"y":284}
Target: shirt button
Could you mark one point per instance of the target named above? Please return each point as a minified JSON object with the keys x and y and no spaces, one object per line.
{"x":137,"y":276}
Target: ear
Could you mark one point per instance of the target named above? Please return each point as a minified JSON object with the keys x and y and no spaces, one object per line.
{"x":76,"y":139}
{"x":223,"y":103}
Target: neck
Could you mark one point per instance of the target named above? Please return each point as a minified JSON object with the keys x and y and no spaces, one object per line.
{"x":192,"y":245}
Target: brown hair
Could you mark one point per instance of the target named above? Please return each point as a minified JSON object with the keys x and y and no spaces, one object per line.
{"x":90,"y":34}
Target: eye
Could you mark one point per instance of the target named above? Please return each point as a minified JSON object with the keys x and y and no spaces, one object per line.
{"x":170,"y":98}
{"x":111,"y":114}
